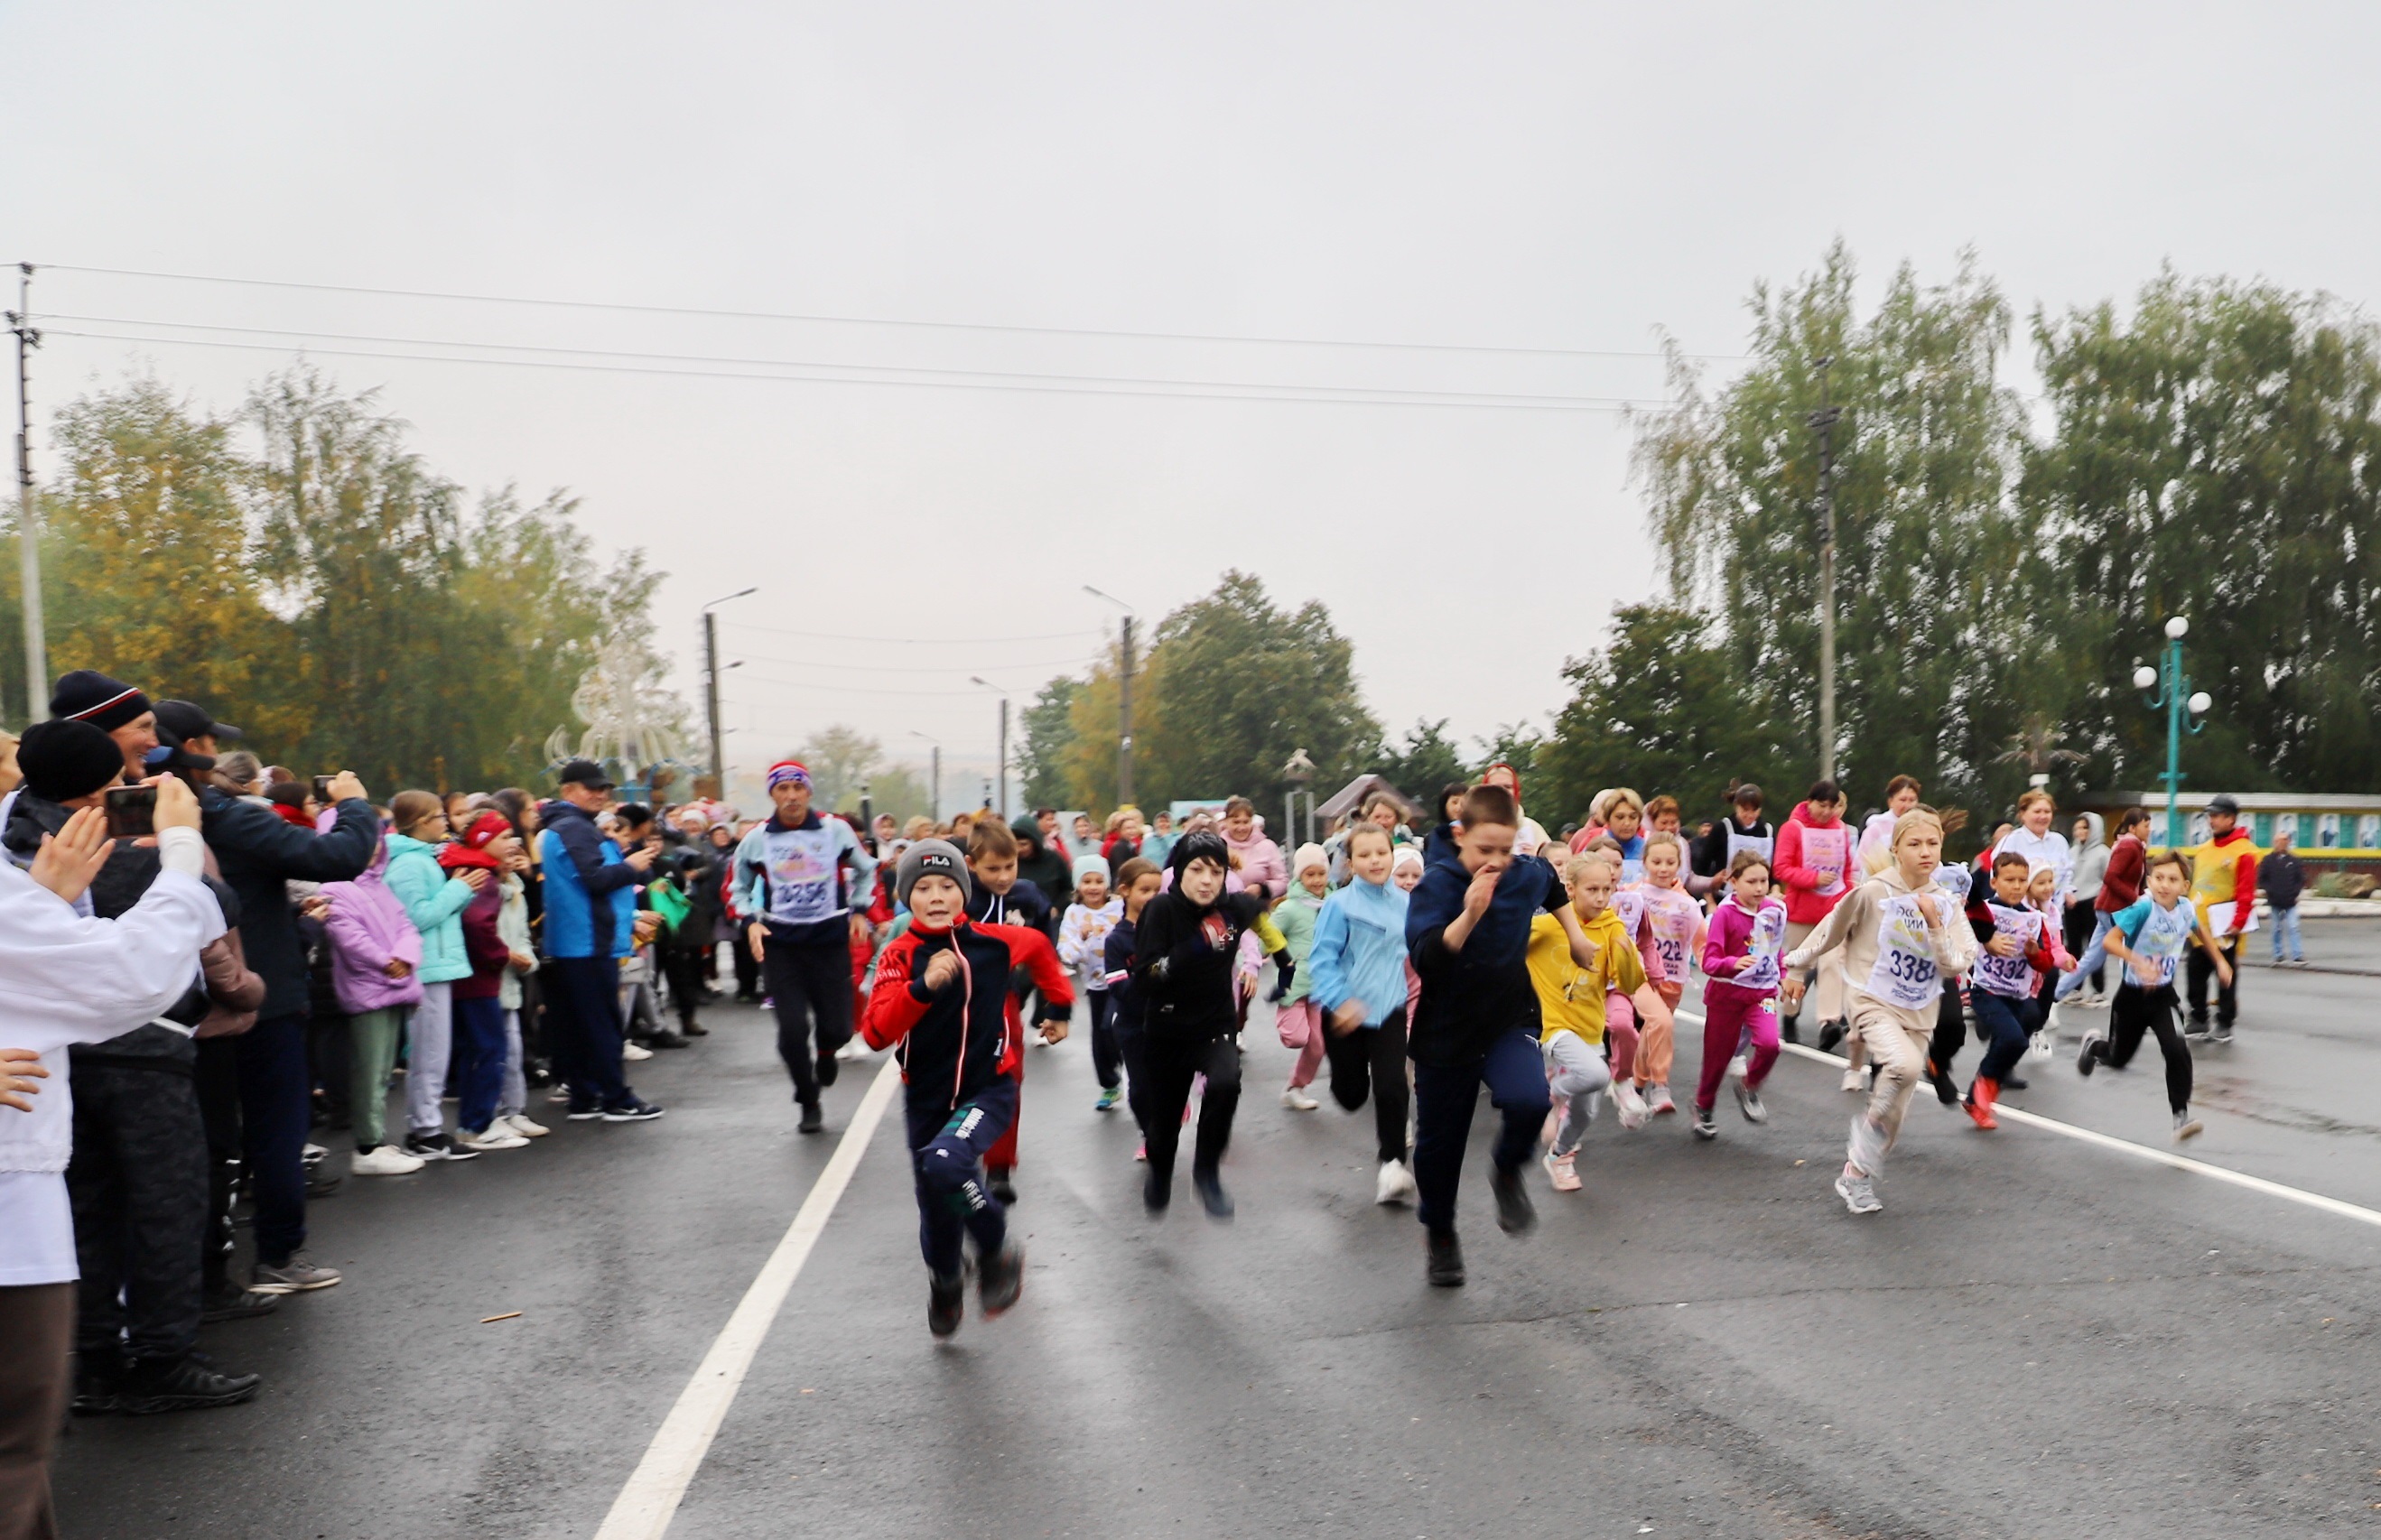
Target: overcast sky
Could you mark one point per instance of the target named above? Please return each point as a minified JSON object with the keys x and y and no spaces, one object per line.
{"x":1556,"y":178}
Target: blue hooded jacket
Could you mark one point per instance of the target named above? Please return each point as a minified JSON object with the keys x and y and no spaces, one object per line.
{"x":587,"y":885}
{"x":1360,"y":950}
{"x":1472,"y":997}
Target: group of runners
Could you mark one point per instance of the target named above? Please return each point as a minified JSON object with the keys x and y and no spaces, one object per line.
{"x":1417,"y":966}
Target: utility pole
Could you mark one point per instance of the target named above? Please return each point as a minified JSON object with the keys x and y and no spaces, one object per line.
{"x":711,"y":688}
{"x":1124,"y":696}
{"x":1824,"y":422}
{"x":934,"y":788}
{"x":979,"y":679}
{"x":29,"y":523}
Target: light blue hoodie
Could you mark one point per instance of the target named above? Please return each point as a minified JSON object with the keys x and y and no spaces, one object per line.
{"x":1360,"y":950}
{"x":434,"y":903}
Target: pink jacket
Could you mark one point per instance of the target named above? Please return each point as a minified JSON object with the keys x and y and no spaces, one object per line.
{"x":1261,"y":863}
{"x":1816,"y":865}
{"x":368,"y":928}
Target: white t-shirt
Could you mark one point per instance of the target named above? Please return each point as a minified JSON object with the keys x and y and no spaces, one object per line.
{"x":39,"y":1222}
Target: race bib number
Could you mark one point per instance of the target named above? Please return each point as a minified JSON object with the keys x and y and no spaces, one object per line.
{"x":2010,"y":977}
{"x":1905,"y":974}
{"x":1761,"y":845}
{"x":2163,"y":936}
{"x":1827,"y":852}
{"x":1629,"y":908}
{"x":1674,"y":917}
{"x":1763,"y":949}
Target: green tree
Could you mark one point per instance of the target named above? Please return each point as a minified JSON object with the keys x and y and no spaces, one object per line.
{"x":1427,"y":761}
{"x":840,"y":758}
{"x":1046,"y":737}
{"x":1661,"y":708}
{"x":2217,"y":455}
{"x":1949,"y":626}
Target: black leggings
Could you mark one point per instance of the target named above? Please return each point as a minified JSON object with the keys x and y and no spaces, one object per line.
{"x":1371,"y":1061}
{"x":1105,"y":1054}
{"x":2136,"y":1011}
{"x":809,"y":982}
{"x":1168,"y":1068}
{"x":683,"y":968}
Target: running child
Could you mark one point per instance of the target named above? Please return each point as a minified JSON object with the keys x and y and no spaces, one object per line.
{"x":999,"y":896}
{"x":1899,"y":938}
{"x":942,"y":994}
{"x":2011,"y":946}
{"x":1468,"y":932}
{"x":1815,"y":868}
{"x":1740,"y":980}
{"x":1082,"y":947}
{"x":1637,"y":1021}
{"x":1137,"y":883}
{"x":1186,"y":951}
{"x":1295,"y":1016}
{"x":1571,"y":1004}
{"x":2148,"y":937}
{"x":1357,"y":968}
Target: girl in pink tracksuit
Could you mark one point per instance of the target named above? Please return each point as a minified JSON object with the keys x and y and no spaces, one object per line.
{"x":1742,"y":974}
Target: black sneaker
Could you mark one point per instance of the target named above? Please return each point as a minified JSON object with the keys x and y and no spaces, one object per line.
{"x":98,"y":1384}
{"x":1000,"y":1277}
{"x":1209,"y":1185}
{"x":190,"y":1383}
{"x":584,"y":1112}
{"x":1830,"y":1034}
{"x":812,"y":1120}
{"x":1790,"y":1030}
{"x":1157,"y":1193}
{"x":946,"y":1303}
{"x":2223,"y":1033}
{"x":232,"y":1302}
{"x":667,"y":1040}
{"x":1946,"y":1090}
{"x":1514,"y":1214}
{"x":633,"y":1111}
{"x":1000,"y":1187}
{"x":437,"y":1146}
{"x":1445,"y":1265}
{"x":829,"y":1066}
{"x":2088,"y":1058}
{"x":2015,"y":1082}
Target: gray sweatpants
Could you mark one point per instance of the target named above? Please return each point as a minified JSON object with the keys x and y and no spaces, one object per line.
{"x":1577,"y":1076}
{"x":429,"y":1044}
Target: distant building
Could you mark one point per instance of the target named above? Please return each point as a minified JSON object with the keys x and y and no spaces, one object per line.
{"x":2343,"y":828}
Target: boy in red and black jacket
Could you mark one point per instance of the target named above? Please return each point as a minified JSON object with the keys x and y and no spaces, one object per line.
{"x":942,"y":994}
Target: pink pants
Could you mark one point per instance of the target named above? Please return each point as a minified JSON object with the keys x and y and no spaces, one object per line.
{"x":1726,"y":1014}
{"x":1302,"y":1028}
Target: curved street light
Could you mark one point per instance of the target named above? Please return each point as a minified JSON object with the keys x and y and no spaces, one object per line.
{"x":2174,"y":695}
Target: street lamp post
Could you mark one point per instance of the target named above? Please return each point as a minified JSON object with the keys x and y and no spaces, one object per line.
{"x":1002,"y":760}
{"x":2167,"y":688}
{"x":934,"y":785}
{"x":711,"y":687}
{"x":1124,"y":696}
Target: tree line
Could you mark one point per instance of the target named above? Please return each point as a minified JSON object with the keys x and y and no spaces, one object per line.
{"x":2004,"y":562}
{"x":298,"y":569}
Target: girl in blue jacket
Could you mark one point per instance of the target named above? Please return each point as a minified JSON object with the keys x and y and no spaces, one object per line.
{"x":1359,"y":972}
{"x":433,"y":899}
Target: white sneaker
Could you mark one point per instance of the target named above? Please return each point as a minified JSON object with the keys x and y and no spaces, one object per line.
{"x":1632,"y":1105}
{"x":1855,"y":1080}
{"x":495,"y":1136}
{"x":1396,"y":1185}
{"x":384,"y":1160}
{"x":1657,"y":1100}
{"x":522,"y":1124}
{"x":632,"y":1052}
{"x":1737,"y":1068}
{"x":857,"y":1048}
{"x":1297,"y":1100}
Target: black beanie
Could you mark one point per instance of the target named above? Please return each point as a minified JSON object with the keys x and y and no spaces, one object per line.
{"x":87,"y":695}
{"x":63,"y":760}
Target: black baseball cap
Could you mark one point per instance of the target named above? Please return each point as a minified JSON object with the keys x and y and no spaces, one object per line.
{"x":584,"y":772}
{"x":181,"y":720}
{"x":2222,"y":802}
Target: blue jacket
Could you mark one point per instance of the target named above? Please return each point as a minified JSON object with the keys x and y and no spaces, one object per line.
{"x":1472,"y":997}
{"x":793,"y":877}
{"x":435,"y":901}
{"x":1360,"y":950}
{"x":587,"y":884}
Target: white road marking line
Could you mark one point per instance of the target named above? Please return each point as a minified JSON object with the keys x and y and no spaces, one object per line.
{"x":2183,"y":1163}
{"x":648,"y":1503}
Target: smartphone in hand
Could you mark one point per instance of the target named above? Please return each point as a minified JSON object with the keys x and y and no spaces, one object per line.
{"x":132,"y":812}
{"x":322,"y":790}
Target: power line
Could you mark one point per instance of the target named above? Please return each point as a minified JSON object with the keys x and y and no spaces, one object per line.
{"x":872,"y":321}
{"x":913,"y":641}
{"x":910,"y":668}
{"x":872,"y":374}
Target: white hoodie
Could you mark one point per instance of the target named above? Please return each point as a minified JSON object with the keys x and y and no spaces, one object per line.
{"x":67,"y":978}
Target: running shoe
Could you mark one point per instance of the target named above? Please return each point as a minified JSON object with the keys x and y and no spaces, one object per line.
{"x":1396,"y":1183}
{"x":632,"y":1052}
{"x":2187,"y":1128}
{"x":495,"y":1136}
{"x":1445,"y":1264}
{"x":633,"y":1111}
{"x":999,"y":1186}
{"x":1561,"y":1170}
{"x":384,"y":1160}
{"x":583,"y":1112}
{"x":1738,"y":1067}
{"x":2088,"y":1058}
{"x":1657,"y":1100}
{"x":436,"y":1146}
{"x":1209,"y":1185}
{"x":946,"y":1303}
{"x":1515,"y":1214}
{"x":296,"y":1276}
{"x":2223,"y":1034}
{"x":1110,"y":1096}
{"x":1000,"y":1277}
{"x":1946,"y":1090}
{"x":1855,"y":1079}
{"x":1705,"y":1126}
{"x":813,"y":1118}
{"x":1747,"y":1101}
{"x":1632,"y":1105}
{"x":1858,"y":1194}
{"x":1297,"y":1100}
{"x":1830,"y":1034}
{"x":1980,"y":1103}
{"x":525,"y":1126}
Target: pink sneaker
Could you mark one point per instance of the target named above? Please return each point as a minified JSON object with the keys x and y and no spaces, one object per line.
{"x":1562,"y":1168}
{"x":1140,"y":1150}
{"x":1658,"y":1099}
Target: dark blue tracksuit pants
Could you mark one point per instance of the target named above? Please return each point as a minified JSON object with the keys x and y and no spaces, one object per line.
{"x":276,"y":1105}
{"x":1515,"y":1072}
{"x":946,"y":1150}
{"x":2006,"y":1024}
{"x":587,"y":1000}
{"x":478,"y":1060}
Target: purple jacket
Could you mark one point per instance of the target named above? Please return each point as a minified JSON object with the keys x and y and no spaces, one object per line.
{"x":368,"y":928}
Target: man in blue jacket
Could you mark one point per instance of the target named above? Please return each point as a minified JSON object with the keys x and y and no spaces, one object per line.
{"x":591,"y":900}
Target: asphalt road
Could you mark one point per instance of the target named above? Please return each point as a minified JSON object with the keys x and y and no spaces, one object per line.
{"x":2038,"y":1336}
